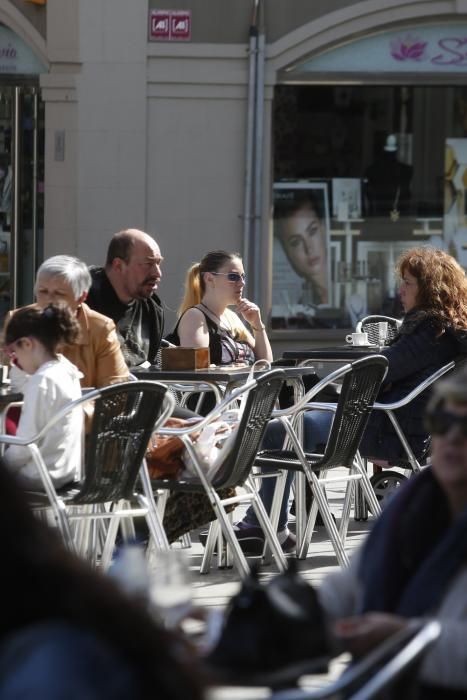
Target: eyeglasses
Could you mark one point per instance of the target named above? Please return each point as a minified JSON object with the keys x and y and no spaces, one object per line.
{"x":441,"y":421}
{"x":232,"y":276}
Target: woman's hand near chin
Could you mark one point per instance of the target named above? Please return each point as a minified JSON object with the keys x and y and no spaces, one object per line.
{"x":259,"y":338}
{"x":250,"y":312}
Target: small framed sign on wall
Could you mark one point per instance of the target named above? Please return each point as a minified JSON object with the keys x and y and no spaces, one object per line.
{"x":170,"y":25}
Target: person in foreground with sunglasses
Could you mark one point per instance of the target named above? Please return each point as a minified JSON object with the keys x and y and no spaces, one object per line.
{"x":32,"y":338}
{"x":205,"y":320}
{"x":414,"y":562}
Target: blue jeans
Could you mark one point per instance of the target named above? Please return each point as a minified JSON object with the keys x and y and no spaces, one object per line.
{"x":316,"y":427}
{"x":55,"y":660}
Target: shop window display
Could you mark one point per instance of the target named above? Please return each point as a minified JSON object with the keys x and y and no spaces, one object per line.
{"x":361,"y":173}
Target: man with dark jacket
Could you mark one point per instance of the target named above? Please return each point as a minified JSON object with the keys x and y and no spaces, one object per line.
{"x":125,"y":291}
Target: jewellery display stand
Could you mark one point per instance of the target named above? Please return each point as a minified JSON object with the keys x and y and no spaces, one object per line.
{"x":345,"y":268}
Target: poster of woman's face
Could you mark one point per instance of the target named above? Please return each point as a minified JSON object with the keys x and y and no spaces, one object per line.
{"x":301,"y":264}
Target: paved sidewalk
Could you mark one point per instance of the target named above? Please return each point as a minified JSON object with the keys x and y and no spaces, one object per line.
{"x":215,"y":588}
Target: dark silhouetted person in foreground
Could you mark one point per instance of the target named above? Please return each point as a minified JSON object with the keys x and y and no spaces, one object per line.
{"x":69,"y":632}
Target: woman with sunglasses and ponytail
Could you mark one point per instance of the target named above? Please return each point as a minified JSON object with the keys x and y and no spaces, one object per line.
{"x":32,"y":337}
{"x":205,"y":320}
{"x":211,"y":286}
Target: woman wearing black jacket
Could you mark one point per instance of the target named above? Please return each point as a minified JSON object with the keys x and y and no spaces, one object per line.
{"x":433,"y":292}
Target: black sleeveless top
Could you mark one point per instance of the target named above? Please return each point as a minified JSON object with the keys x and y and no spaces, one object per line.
{"x":224,"y":349}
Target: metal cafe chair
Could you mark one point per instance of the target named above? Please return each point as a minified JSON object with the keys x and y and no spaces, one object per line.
{"x":388,"y":480}
{"x":124,"y":417}
{"x":395,"y":661}
{"x":235,"y":469}
{"x":369,"y":325}
{"x":361,"y":381}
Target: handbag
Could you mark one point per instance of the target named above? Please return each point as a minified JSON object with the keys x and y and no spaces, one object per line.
{"x":271,"y":625}
{"x":164,"y":453}
{"x":215,"y":441}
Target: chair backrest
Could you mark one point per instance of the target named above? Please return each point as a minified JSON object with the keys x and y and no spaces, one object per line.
{"x":369,"y":325}
{"x":359,"y":390}
{"x":123,"y":421}
{"x":374,"y":674}
{"x":256,"y":414}
{"x":414,"y":460}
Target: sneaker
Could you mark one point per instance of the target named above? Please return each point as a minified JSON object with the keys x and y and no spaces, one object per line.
{"x":290,"y":544}
{"x":250,"y":539}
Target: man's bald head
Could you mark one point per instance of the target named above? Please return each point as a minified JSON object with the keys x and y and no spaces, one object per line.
{"x":123,"y":242}
{"x":133,"y":264}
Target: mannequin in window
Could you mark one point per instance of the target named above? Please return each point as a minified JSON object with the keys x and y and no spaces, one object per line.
{"x":388,"y":184}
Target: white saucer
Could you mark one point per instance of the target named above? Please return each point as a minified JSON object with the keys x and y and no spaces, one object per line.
{"x":363,"y":345}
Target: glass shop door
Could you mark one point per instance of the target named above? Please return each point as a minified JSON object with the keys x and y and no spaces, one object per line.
{"x":21,"y":192}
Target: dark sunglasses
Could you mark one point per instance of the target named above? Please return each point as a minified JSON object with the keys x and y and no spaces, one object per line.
{"x":440,"y":422}
{"x":231,"y":276}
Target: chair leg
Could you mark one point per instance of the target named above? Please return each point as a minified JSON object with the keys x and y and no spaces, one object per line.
{"x":277,"y":499}
{"x":304,"y":544}
{"x":229,"y":534}
{"x":345,"y":517}
{"x":275,"y":507}
{"x":161,"y":498}
{"x":365,"y":483}
{"x":269,"y":533}
{"x":128,"y":529}
{"x":310,"y":526}
{"x":226,"y":560}
{"x":64,"y":526}
{"x":111,"y":535}
{"x":154,"y":523}
{"x":217,"y":505}
{"x":185,"y":541}
{"x":92,"y":538}
{"x":154,"y":518}
{"x":329,"y":523}
{"x":209,"y":547}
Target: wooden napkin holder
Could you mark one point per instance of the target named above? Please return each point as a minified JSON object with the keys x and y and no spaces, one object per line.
{"x":185,"y":358}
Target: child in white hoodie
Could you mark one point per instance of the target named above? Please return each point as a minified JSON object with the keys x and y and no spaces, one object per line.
{"x":31,"y":340}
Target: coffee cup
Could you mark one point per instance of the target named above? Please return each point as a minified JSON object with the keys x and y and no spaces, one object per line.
{"x":357,"y":338}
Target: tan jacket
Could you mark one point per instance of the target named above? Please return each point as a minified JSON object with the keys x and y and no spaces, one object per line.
{"x":97,"y":352}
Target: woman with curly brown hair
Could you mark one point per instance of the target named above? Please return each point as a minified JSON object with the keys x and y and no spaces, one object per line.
{"x":433,"y":292}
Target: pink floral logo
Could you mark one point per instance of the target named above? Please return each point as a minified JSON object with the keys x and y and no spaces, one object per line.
{"x":409,"y":48}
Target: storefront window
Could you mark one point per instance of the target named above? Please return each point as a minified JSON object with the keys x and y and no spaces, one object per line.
{"x":361,"y":173}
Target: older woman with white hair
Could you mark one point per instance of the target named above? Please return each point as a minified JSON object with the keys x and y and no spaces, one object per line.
{"x":97,"y":352}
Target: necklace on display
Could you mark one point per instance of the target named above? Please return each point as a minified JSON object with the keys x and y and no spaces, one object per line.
{"x":221,"y":320}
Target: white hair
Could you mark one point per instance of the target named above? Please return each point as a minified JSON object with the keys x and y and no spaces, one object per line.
{"x":72,"y":270}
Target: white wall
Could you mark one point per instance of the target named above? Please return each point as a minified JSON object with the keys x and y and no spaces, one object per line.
{"x":96,"y":92}
{"x":196,"y":136}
